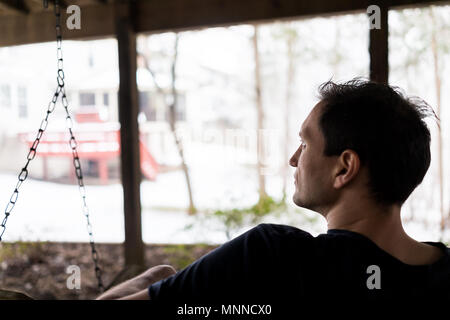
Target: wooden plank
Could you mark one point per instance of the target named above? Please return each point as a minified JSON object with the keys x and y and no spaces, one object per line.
{"x":129,"y":134}
{"x":17,"y":6}
{"x":97,"y":21}
{"x":378,"y":49}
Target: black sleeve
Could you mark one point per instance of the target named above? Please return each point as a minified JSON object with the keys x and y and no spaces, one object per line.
{"x":234,"y":270}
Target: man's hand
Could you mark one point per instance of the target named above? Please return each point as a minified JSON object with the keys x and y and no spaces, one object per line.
{"x":136,"y":288}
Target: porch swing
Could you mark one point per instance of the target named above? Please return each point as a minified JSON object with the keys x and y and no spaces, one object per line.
{"x":59,"y":92}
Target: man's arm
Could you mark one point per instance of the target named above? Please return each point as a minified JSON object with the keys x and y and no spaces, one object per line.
{"x":137,"y":287}
{"x":141,"y":295}
{"x":235,"y":269}
{"x":241,"y":263}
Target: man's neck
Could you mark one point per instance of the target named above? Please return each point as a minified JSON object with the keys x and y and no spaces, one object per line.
{"x":382,"y":226}
{"x":364,"y":217}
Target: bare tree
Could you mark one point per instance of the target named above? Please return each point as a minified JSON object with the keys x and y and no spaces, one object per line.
{"x":291,"y":36}
{"x":259,"y":117}
{"x":296,"y":51}
{"x":172,"y":107}
{"x":336,"y":56}
{"x":437,"y":86}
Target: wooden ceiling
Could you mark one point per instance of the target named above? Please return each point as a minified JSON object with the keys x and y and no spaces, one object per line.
{"x":26,"y":21}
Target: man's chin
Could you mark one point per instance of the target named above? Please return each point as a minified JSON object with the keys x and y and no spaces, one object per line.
{"x":308,"y":204}
{"x":297,"y":200}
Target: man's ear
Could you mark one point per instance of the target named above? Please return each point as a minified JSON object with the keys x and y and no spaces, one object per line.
{"x":348,"y":165}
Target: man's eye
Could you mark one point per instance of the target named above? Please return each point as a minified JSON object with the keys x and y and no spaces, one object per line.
{"x":302,"y":144}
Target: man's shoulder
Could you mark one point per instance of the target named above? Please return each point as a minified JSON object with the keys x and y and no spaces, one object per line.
{"x":275,"y":243}
{"x":280,"y":231}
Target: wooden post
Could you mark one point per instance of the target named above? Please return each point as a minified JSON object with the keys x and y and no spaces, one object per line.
{"x":129,"y":133}
{"x":379,"y":50}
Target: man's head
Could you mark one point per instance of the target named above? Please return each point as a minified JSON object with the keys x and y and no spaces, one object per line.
{"x":364,"y":139}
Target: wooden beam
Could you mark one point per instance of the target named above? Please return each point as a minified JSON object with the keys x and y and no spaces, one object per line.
{"x":17,"y":6}
{"x":62,"y":3}
{"x":97,"y":21}
{"x":190,"y":14}
{"x":378,"y":49}
{"x":129,"y":133}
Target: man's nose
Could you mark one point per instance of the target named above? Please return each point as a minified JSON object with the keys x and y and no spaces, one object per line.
{"x":294,"y":159}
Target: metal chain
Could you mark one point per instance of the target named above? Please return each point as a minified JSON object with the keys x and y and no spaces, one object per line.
{"x":60,"y":90}
{"x":31,"y":154}
{"x":73,"y":145}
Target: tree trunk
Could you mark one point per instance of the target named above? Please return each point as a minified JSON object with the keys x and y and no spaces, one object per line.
{"x":437,"y":84}
{"x":336,"y":53}
{"x":260,"y":119}
{"x":173,"y":120}
{"x":287,"y":128}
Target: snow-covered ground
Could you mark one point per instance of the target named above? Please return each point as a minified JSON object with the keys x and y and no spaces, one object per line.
{"x":49,"y":211}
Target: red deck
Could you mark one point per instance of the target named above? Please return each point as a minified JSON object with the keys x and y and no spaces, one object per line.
{"x":96,"y":141}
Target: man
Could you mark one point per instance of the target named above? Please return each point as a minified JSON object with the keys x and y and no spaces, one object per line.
{"x":363,"y":149}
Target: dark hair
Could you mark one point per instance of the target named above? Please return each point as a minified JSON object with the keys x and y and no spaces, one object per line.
{"x":385,"y":128}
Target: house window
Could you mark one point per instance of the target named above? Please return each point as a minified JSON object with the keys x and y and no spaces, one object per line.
{"x":146,"y":106}
{"x":87,"y":99}
{"x":91,"y":60}
{"x":22,"y":102}
{"x":5,"y":96}
{"x":106,"y":99}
